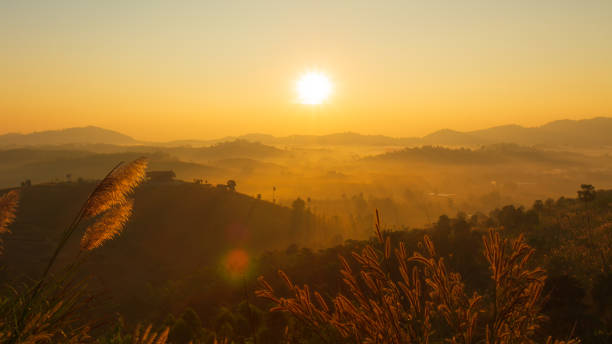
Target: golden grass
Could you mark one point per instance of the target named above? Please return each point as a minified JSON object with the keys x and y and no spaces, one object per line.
{"x":42,"y":326}
{"x":147,"y":336}
{"x":115,"y":187}
{"x":110,"y":202}
{"x":518,"y":289}
{"x":32,"y":317}
{"x":8,"y":207}
{"x":427,"y":303}
{"x":108,"y":226}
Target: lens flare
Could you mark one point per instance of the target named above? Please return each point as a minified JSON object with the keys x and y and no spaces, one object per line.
{"x":236,"y":262}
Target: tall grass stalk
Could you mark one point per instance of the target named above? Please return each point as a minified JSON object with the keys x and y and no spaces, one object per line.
{"x":109,"y":198}
{"x":427,"y":303}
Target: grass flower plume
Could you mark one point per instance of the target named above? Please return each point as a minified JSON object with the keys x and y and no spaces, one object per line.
{"x":425,"y":302}
{"x":115,"y":188}
{"x":108,"y":226}
{"x":109,"y":202}
{"x":109,"y":208}
{"x":149,"y":337}
{"x":8,"y":207}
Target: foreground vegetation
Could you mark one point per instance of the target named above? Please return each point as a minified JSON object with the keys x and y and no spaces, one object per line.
{"x":543,"y":271}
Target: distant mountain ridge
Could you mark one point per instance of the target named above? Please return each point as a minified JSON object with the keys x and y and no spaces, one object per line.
{"x":347,"y":138}
{"x":84,"y":135}
{"x":587,"y":132}
{"x":594,"y":132}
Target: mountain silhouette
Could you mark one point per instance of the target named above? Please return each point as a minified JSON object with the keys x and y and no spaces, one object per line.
{"x":80,"y":135}
{"x":594,"y":132}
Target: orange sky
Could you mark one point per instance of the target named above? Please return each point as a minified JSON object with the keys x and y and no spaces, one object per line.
{"x":157,"y":70}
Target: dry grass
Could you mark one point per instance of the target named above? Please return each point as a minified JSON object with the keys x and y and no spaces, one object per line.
{"x":8,"y":207}
{"x":107,"y":227}
{"x":427,"y":303}
{"x":57,"y":316}
{"x":147,"y":336}
{"x":518,"y":290}
{"x":49,"y":310}
{"x":111,"y":204}
{"x":115,"y":187}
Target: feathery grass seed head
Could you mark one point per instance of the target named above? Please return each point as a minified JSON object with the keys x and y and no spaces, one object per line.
{"x":8,"y":207}
{"x":114,"y":189}
{"x":109,"y":225}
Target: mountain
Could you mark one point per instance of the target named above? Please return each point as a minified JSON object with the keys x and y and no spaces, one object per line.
{"x":336,"y":139}
{"x":81,"y":135}
{"x":593,"y":133}
{"x":230,"y":149}
{"x":451,"y":138}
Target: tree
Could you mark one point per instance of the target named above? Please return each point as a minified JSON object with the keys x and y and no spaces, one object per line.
{"x":298,"y":205}
{"x":231,"y":184}
{"x":586,"y":193}
{"x":564,"y":306}
{"x":298,"y":216}
{"x":538,"y":205}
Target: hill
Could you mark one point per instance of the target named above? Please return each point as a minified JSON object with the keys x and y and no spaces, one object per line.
{"x":71,"y":161}
{"x":590,"y":133}
{"x":581,"y":133}
{"x":236,"y":149}
{"x":587,"y":133}
{"x":501,"y":153}
{"x":335,"y":139}
{"x":169,"y":265}
{"x":449,"y":137}
{"x":176,"y":230}
{"x":45,"y":165}
{"x":83,"y":135}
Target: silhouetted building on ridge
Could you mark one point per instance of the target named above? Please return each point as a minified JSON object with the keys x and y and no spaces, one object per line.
{"x":161,"y":176}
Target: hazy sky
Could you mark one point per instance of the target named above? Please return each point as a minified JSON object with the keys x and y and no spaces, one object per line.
{"x":163,"y":70}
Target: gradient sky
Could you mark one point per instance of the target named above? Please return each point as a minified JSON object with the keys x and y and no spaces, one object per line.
{"x":162,"y":70}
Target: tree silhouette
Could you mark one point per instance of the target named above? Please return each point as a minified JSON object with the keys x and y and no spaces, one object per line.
{"x":231,"y":184}
{"x":586,"y":193}
{"x":298,"y":205}
{"x":538,"y":205}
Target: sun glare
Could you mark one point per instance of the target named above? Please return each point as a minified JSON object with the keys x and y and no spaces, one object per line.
{"x":313,"y":88}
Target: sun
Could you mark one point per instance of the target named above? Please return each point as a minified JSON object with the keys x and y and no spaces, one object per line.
{"x":313,"y":88}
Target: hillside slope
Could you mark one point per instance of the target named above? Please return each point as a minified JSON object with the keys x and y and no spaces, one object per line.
{"x":42,"y":166}
{"x":176,"y":230}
